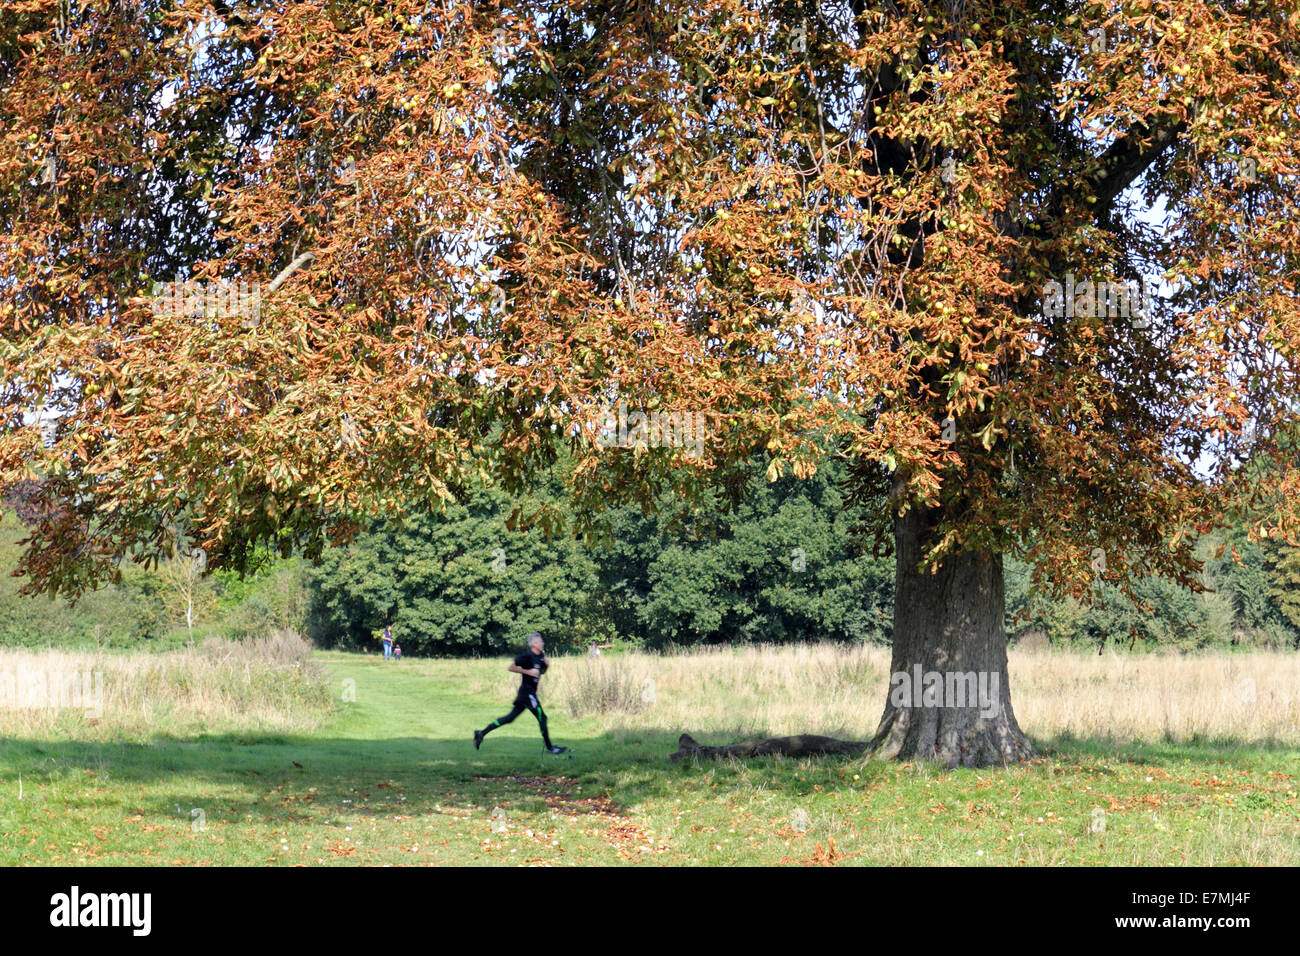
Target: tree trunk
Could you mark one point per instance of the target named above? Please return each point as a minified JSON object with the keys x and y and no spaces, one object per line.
{"x":949,"y":699}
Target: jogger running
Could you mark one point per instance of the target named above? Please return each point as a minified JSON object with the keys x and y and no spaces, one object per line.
{"x":531,"y":664}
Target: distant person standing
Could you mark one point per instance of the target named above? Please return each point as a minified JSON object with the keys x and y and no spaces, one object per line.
{"x":388,"y":643}
{"x":397,"y":652}
{"x":531,"y":664}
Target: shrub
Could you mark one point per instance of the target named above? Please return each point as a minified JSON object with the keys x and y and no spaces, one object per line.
{"x":597,"y":686}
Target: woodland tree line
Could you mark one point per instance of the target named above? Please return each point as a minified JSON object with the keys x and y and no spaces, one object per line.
{"x":782,"y":566}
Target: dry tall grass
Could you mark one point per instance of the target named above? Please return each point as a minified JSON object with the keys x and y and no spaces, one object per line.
{"x":269,"y":683}
{"x":841,"y":691}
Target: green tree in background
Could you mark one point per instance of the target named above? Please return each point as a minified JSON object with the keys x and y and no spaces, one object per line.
{"x":1283,"y":574}
{"x":272,"y":597}
{"x":461,"y":582}
{"x":1243,"y":604}
{"x":126,"y":614}
{"x":147,"y":607}
{"x":780,"y":567}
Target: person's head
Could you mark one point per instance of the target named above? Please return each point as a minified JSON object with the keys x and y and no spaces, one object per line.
{"x":535,"y":643}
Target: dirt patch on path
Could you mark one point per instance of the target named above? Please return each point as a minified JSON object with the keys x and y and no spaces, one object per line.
{"x":601,"y":817}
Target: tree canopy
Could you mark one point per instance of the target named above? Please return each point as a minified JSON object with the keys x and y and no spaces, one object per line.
{"x":475,"y":228}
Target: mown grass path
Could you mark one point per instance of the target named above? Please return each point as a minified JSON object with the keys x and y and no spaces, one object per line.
{"x":393,"y":778}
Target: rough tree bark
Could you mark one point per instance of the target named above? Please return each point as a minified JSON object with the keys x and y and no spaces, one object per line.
{"x":949,"y":622}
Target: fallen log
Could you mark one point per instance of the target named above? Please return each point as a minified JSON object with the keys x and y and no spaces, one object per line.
{"x":803,"y":745}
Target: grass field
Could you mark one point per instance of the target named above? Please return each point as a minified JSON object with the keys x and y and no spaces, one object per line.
{"x":273,"y":758}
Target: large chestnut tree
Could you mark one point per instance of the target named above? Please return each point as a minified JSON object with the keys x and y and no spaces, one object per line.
{"x":826,"y":227}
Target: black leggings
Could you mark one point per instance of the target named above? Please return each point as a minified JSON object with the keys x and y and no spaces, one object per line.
{"x":527,"y":702}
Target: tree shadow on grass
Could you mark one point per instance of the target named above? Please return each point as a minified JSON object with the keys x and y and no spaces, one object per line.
{"x":1169,"y":751}
{"x":286,"y":778}
{"x":425,"y":771}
